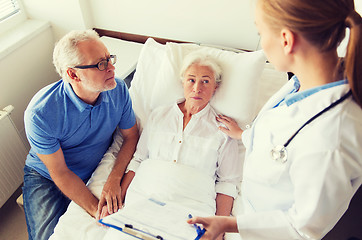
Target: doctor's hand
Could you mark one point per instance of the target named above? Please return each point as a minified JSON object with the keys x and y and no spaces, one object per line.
{"x":232,"y":129}
{"x":215,"y":226}
{"x":110,"y":197}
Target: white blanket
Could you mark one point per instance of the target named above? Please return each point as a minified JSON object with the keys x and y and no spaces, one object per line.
{"x":173,"y":182}
{"x":164,"y":181}
{"x":161,"y":180}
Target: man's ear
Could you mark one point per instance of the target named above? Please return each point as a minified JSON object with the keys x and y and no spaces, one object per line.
{"x":288,"y":40}
{"x":72,"y":74}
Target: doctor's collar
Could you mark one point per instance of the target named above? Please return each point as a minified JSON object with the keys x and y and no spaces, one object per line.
{"x":294,"y":89}
{"x":296,"y":96}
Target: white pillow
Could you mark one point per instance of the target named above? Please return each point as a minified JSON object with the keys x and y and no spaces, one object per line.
{"x":142,"y":84}
{"x":237,"y":95}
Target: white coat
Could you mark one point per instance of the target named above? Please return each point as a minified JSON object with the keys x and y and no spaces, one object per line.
{"x":304,"y":197}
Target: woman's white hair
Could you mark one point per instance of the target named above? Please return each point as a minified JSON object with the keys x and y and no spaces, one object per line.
{"x":66,"y":53}
{"x":201,"y":59}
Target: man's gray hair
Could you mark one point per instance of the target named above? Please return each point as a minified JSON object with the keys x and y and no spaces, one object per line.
{"x":202,"y":59}
{"x":66,"y":53}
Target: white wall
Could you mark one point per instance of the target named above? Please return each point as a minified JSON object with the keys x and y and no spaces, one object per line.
{"x":343,"y":46}
{"x":358,"y":6}
{"x":63,"y":15}
{"x":229,"y":23}
{"x":206,"y":21}
{"x":24,"y":71}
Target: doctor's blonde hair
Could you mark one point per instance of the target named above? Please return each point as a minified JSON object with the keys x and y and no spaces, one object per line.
{"x":323,"y":23}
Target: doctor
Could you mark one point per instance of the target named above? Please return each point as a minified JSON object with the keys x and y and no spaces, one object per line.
{"x":303,"y":152}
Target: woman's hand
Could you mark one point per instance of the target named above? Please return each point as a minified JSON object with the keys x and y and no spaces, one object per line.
{"x":215,"y":226}
{"x":220,"y":237}
{"x":103,"y":213}
{"x":232,"y":129}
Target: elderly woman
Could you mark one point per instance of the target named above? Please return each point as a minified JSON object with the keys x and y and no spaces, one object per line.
{"x":181,"y":156}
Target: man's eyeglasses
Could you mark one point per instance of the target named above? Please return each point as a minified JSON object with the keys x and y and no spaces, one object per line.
{"x":102,"y":65}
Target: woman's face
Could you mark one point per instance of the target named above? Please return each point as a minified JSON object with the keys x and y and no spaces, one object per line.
{"x":270,"y":40}
{"x":199,"y":85}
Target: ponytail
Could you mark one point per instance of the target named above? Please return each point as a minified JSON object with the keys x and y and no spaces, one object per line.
{"x":323,"y":23}
{"x":353,"y":59}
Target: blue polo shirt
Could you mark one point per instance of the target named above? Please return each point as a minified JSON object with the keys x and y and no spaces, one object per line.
{"x":56,"y":117}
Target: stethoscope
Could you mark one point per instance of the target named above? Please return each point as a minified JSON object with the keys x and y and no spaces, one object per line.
{"x":279,"y":153}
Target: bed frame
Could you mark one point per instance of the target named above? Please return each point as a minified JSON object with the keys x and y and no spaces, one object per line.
{"x":142,"y":39}
{"x":132,"y":37}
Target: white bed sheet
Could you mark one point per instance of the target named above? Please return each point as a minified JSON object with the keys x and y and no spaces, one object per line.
{"x":77,"y":224}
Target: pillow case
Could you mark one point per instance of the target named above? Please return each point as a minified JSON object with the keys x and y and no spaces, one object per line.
{"x":142,"y":84}
{"x":157,"y":80}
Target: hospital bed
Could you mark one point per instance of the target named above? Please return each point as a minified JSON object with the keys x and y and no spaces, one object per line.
{"x":248,"y":82}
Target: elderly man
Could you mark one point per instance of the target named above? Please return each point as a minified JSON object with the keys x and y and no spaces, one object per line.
{"x":69,"y":125}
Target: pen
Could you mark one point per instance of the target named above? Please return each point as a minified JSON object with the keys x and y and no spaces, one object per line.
{"x":197,"y":228}
{"x":128,"y":228}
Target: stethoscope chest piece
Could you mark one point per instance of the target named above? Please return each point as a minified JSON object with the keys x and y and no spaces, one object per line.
{"x":279,"y":154}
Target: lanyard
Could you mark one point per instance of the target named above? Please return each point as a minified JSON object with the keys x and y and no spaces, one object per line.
{"x":279,"y":152}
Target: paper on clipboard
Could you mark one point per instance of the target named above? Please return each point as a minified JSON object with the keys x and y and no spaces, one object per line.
{"x":153,"y":218}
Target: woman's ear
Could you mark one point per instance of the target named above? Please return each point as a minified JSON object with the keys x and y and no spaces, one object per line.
{"x":288,"y":40}
{"x":72,"y":74}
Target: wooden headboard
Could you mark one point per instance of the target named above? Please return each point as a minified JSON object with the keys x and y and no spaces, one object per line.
{"x":133,"y":37}
{"x":142,"y":39}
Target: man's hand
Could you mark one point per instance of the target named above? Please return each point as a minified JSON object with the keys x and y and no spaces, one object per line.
{"x":110,"y":197}
{"x":111,"y":193}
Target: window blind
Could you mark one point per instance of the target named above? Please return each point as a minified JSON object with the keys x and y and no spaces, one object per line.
{"x":8,"y":8}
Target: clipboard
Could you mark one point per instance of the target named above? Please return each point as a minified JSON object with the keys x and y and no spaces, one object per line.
{"x":150,"y":219}
{"x":128,"y":229}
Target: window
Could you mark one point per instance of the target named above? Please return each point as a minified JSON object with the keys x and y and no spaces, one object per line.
{"x":8,"y":8}
{"x":11,"y":14}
